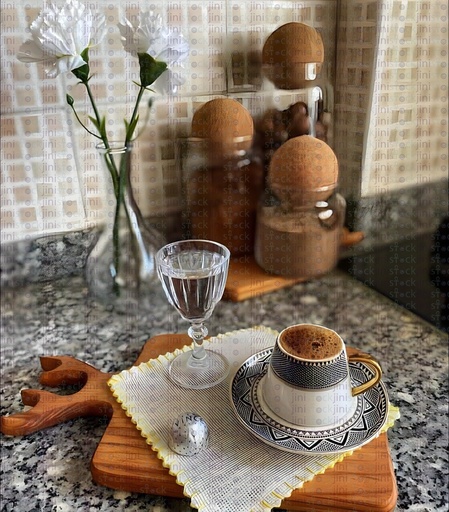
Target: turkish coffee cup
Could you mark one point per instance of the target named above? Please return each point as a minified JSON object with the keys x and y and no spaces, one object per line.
{"x":308,"y":381}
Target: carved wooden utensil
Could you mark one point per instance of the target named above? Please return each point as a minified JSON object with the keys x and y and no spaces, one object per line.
{"x":123,"y":460}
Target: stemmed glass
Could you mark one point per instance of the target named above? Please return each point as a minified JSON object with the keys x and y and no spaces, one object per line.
{"x":193,"y":274}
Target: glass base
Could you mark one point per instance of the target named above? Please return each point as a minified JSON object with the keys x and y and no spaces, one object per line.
{"x":188,"y":372}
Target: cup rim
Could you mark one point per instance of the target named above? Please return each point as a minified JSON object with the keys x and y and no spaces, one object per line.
{"x":161,"y":264}
{"x":324,"y":359}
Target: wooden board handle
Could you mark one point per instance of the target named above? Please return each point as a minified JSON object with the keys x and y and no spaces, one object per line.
{"x":49,"y":409}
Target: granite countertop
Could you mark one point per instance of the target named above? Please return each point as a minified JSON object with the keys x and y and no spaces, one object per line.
{"x":49,"y":470}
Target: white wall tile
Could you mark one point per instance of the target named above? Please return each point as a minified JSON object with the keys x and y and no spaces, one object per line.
{"x":51,"y":175}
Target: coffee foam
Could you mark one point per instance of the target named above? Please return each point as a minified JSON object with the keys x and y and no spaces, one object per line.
{"x":310,"y":343}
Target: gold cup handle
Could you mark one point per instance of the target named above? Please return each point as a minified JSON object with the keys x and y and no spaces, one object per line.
{"x":375,"y":366}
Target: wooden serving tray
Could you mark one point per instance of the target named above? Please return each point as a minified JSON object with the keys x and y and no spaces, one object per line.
{"x":364,"y":481}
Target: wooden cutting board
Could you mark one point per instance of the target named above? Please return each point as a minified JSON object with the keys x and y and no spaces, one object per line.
{"x":364,"y":481}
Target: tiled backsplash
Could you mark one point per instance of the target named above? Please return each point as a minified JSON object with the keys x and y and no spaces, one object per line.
{"x":51,"y":176}
{"x":391,"y":95}
{"x":51,"y":179}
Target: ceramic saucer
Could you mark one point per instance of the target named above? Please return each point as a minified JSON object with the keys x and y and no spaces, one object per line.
{"x":364,"y":425}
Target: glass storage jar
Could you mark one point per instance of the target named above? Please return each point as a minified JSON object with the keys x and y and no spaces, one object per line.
{"x":302,"y":239}
{"x":222,"y":189}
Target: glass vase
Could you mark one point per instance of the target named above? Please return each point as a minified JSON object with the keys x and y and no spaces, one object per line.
{"x":120,"y":267}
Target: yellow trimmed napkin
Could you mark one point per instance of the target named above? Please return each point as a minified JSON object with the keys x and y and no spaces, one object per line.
{"x":237,"y":472}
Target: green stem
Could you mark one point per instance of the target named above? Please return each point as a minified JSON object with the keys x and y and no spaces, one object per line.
{"x":83,"y":125}
{"x":128,"y":137}
{"x":147,"y":117}
{"x":97,"y":114}
{"x":110,"y":163}
{"x":116,"y":181}
{"x":123,"y":178}
{"x":118,"y":176}
{"x":134,"y":115}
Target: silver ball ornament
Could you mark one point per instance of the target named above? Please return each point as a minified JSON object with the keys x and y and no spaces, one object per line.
{"x":189,"y":434}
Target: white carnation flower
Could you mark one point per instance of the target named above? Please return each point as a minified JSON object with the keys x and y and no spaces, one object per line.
{"x":147,"y":35}
{"x":59,"y":37}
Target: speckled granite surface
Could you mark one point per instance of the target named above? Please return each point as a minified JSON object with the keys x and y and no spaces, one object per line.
{"x":45,"y":258}
{"x":49,"y":470}
{"x":398,"y":215}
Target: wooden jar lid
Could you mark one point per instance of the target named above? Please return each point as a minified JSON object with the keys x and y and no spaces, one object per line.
{"x":303,"y":168}
{"x":287,"y":52}
{"x":224,"y":122}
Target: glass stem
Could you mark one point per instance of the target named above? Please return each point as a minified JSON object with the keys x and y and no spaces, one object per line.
{"x":198,"y":332}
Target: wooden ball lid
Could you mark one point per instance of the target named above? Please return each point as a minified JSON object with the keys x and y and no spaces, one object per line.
{"x":288,"y":51}
{"x":303,"y":169}
{"x":225,"y":123}
{"x":293,"y":42}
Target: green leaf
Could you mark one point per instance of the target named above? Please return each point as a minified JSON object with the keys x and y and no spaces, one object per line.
{"x":131,"y":127}
{"x":150,"y":69}
{"x":82,"y":73}
{"x":103,"y":127}
{"x":99,"y":125}
{"x":95,"y":122}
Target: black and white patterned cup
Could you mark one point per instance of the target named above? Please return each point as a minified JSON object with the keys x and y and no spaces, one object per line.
{"x":308,"y":382}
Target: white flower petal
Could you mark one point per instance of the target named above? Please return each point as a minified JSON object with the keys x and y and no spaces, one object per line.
{"x":56,"y":43}
{"x":168,"y":83}
{"x":30,"y":51}
{"x":172,"y":55}
{"x":143,"y":40}
{"x":127,"y":35}
{"x":62,"y":35}
{"x":147,"y":35}
{"x":68,"y":63}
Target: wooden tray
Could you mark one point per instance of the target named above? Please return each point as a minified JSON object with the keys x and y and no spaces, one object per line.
{"x":246,"y":279}
{"x":364,"y":481}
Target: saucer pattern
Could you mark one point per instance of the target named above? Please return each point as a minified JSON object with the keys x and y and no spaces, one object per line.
{"x":364,"y":425}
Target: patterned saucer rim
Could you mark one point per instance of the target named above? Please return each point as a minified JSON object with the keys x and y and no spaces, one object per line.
{"x":365,"y":424}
